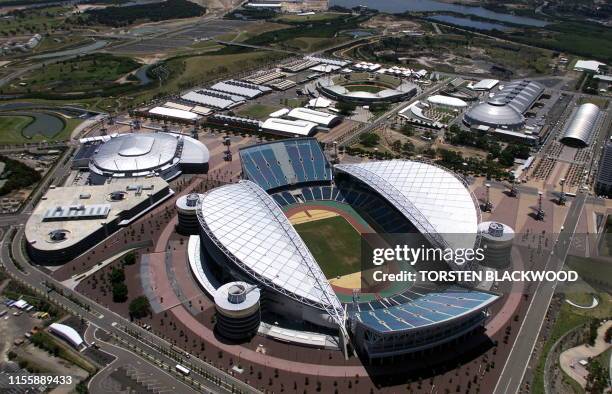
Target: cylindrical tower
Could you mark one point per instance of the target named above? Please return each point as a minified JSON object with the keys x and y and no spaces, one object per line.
{"x":497,"y":241}
{"x":237,"y":305}
{"x":187,"y":220}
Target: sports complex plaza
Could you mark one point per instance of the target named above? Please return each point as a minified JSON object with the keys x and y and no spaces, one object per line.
{"x":249,"y":257}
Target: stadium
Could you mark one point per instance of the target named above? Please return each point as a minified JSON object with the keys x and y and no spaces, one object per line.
{"x":142,"y":155}
{"x":365,"y":88}
{"x":507,"y":108}
{"x":293,"y":227}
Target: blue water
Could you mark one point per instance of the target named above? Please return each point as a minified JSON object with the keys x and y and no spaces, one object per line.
{"x":397,"y":6}
{"x":467,"y":22}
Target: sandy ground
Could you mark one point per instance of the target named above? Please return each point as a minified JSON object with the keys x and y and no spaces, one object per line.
{"x":310,"y":215}
{"x":54,"y":365}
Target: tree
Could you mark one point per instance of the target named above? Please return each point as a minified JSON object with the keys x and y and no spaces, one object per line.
{"x":117,"y":275}
{"x":120,"y":292}
{"x":345,"y":108}
{"x":140,"y":307}
{"x":129,"y":258}
{"x":369,"y":140}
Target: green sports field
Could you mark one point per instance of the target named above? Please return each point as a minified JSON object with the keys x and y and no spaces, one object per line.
{"x":334,"y":243}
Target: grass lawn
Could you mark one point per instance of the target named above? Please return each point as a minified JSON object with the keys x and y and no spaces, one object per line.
{"x":257,"y":111}
{"x":87,"y":73}
{"x":34,"y":20}
{"x":11,"y":128}
{"x":568,"y":318}
{"x":334,"y":243}
{"x":324,"y":16}
{"x":312,"y":43}
{"x":364,"y":88}
{"x":188,"y":71}
{"x":597,"y":272}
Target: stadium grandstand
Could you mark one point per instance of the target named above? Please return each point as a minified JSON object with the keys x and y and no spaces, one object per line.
{"x":366,"y":88}
{"x":506,"y":108}
{"x":294,"y":162}
{"x":247,"y":235}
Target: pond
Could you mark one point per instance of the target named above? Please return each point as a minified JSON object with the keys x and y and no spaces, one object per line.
{"x":467,"y":22}
{"x":398,"y":6}
{"x":44,"y":124}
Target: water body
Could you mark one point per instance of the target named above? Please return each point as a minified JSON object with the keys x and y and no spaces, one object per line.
{"x":358,"y":33}
{"x":467,"y":22}
{"x":94,"y":46}
{"x":398,"y":6}
{"x":142,"y":76}
{"x":44,"y":124}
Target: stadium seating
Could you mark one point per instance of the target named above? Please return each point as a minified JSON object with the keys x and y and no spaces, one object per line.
{"x":418,"y":306}
{"x":286,"y":163}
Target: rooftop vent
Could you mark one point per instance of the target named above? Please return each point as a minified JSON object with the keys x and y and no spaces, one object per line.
{"x":236,"y":294}
{"x":496,"y":229}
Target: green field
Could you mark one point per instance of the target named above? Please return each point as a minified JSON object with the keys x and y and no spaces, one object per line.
{"x":334,"y":243}
{"x":33,"y":20}
{"x":364,"y":88}
{"x":323,"y":16}
{"x":81,"y":74}
{"x":257,"y":111}
{"x":11,"y":128}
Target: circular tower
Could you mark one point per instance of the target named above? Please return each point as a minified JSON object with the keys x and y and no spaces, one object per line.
{"x":497,"y":241}
{"x":187,"y":220}
{"x":237,"y":305}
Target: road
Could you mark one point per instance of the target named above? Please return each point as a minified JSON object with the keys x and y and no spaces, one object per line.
{"x":148,"y":346}
{"x":516,"y":365}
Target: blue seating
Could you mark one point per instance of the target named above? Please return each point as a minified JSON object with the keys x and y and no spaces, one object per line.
{"x":286,"y":163}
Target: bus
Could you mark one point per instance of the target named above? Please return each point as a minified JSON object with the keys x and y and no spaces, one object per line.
{"x":182,"y":369}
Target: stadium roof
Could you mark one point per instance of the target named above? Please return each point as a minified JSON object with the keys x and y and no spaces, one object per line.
{"x":580,"y":128}
{"x":446,"y":100}
{"x":252,"y":230}
{"x":432,"y":198}
{"x":141,"y":154}
{"x":310,"y":115}
{"x":506,"y":108}
{"x":290,"y":127}
{"x":174,"y":113}
{"x":68,"y":333}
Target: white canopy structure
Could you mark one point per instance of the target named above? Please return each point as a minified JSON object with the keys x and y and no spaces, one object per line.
{"x":253,"y":232}
{"x":289,"y":127}
{"x":322,"y":118}
{"x":581,"y":126}
{"x":446,"y":101}
{"x":68,"y":333}
{"x":435,"y":201}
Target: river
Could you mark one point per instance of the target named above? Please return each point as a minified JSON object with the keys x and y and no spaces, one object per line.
{"x":398,"y":6}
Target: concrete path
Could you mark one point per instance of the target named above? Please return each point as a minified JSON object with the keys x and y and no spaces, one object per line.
{"x":570,"y":358}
